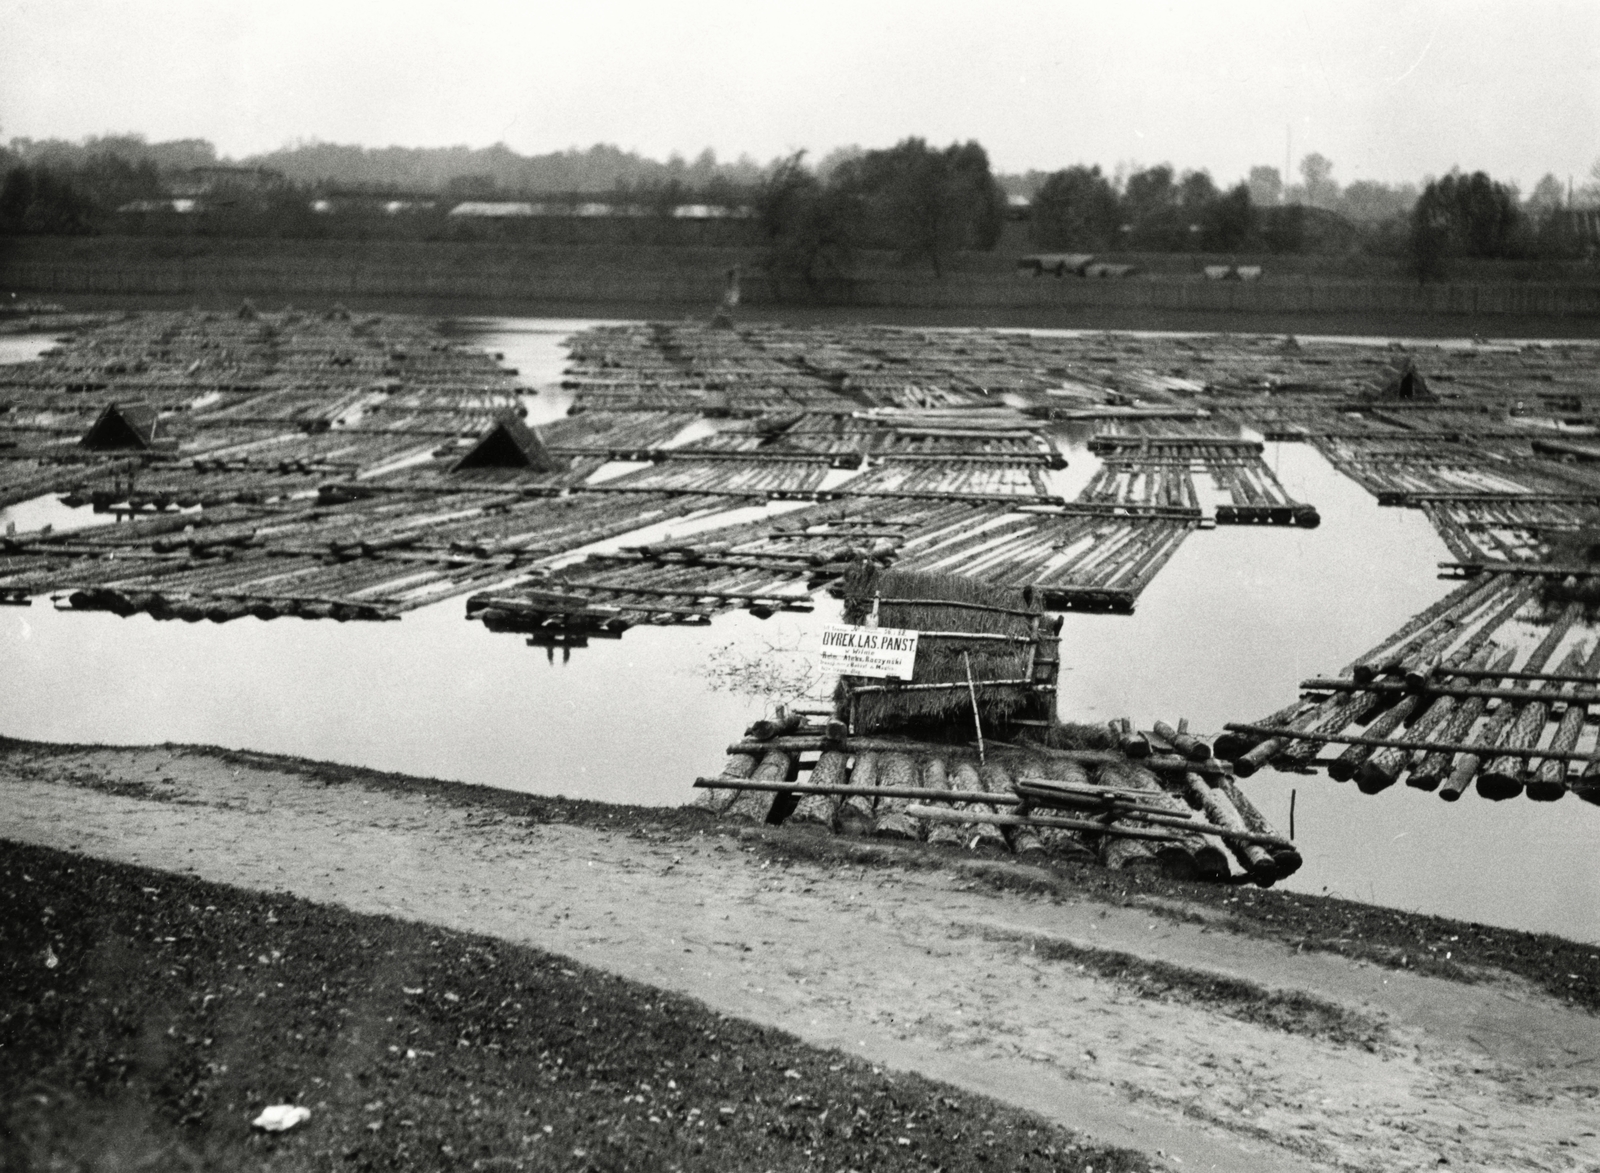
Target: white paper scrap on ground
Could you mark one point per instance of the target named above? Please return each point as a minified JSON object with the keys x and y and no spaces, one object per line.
{"x":281,"y":1117}
{"x":889,"y":653}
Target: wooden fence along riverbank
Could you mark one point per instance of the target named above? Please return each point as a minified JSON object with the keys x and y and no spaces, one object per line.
{"x":899,"y":760}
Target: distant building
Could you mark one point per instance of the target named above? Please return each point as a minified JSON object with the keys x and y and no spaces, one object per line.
{"x":501,"y":209}
{"x":150,"y":207}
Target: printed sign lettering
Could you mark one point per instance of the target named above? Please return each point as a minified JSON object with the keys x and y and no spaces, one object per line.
{"x":889,"y":653}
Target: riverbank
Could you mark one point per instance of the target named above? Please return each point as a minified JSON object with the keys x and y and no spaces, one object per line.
{"x":511,"y":278}
{"x":1231,"y":1028}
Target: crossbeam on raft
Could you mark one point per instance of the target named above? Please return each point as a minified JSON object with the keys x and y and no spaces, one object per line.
{"x":1406,"y":743}
{"x":1114,"y":809}
{"x":1405,"y":497}
{"x":1347,"y":684}
{"x":692,"y":593}
{"x":938,"y":815}
{"x":950,"y":685}
{"x":1485,"y":673}
{"x":1539,"y":569}
{"x":1098,"y":757}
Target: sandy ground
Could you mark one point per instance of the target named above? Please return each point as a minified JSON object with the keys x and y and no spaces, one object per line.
{"x":927,"y":970}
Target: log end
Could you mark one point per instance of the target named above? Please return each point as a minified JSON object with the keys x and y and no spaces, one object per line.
{"x":1374,"y":779}
{"x":1497,"y":786}
{"x":1341,"y":769}
{"x":1541,"y":791}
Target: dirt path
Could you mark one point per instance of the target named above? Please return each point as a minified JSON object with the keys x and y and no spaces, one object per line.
{"x":925,"y":970}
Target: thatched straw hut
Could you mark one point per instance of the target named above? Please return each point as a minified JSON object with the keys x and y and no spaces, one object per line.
{"x":510,"y":443}
{"x":1002,"y":635}
{"x":122,"y":426}
{"x":1400,"y":380}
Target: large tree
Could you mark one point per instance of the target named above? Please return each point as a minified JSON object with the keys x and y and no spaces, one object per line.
{"x":1076,"y":209}
{"x":1462,"y":215}
{"x":923,"y":202}
{"x":809,"y":227}
{"x":1151,"y":211}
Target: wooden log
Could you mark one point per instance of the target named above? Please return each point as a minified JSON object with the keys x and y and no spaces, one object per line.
{"x":890,"y":819}
{"x":997,"y":779}
{"x":821,"y":810}
{"x":1184,"y":744}
{"x":1382,"y":769}
{"x":1057,"y":841}
{"x":1503,"y":719}
{"x":768,"y":728}
{"x":1587,"y":785}
{"x":1050,"y":840}
{"x":1163,"y":763}
{"x":1231,"y":745}
{"x":1130,"y":741}
{"x":1549,"y":780}
{"x":936,"y":777}
{"x":753,"y":806}
{"x":857,"y":813}
{"x":1095,"y":829}
{"x":1355,"y":708}
{"x":978,"y":833}
{"x":1284,"y":854}
{"x":1431,"y":771}
{"x":1348,"y":764}
{"x":1219,"y":809}
{"x":738,"y":765}
{"x":1274,"y":741}
{"x":1503,"y":777}
{"x":1194,"y":856}
{"x":1382,"y":657}
{"x":1120,"y":850}
{"x":1389,"y":689}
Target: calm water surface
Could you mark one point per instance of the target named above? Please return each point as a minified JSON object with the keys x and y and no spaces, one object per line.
{"x":1226,"y":631}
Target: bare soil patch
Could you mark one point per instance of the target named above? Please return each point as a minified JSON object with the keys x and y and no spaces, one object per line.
{"x":1190,"y":1023}
{"x":176,"y":1009}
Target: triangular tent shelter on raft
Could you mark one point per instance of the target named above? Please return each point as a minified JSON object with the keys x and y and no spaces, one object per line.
{"x":1401,"y":380}
{"x":510,"y":443}
{"x":122,"y":426}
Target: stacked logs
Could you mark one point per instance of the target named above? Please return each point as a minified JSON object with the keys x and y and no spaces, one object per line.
{"x":1450,"y":701}
{"x":1178,"y":813}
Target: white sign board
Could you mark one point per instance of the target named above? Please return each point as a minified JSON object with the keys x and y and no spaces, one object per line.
{"x":889,"y":653}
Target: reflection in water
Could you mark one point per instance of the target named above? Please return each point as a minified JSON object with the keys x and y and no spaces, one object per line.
{"x":24,"y":347}
{"x":1225,"y":632}
{"x":631,"y":720}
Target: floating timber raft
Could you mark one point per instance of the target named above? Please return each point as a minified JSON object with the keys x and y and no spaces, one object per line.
{"x":968,"y":754}
{"x":1461,"y":696}
{"x":361,"y":450}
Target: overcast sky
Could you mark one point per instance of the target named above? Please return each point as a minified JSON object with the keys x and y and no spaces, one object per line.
{"x":1388,"y":89}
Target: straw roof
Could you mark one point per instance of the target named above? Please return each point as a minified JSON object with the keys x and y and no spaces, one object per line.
{"x":122,"y":426}
{"x":510,"y":443}
{"x":944,"y":608}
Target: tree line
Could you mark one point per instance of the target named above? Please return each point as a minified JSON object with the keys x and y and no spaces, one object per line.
{"x":926,"y":203}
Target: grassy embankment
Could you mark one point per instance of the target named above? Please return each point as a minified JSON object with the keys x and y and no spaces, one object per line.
{"x":1454,"y":950}
{"x":148,"y":1017}
{"x":1300,"y":294}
